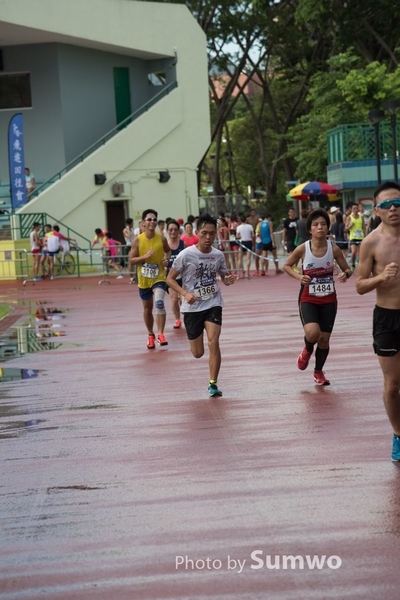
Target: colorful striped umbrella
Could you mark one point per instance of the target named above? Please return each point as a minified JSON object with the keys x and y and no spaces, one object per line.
{"x":313,"y":190}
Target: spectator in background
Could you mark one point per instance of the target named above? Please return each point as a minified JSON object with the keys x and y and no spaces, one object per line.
{"x":355,"y":229}
{"x":63,"y":239}
{"x":36,"y":247}
{"x":100,"y":236}
{"x":349,"y":206}
{"x":373,"y":221}
{"x":139,"y":229}
{"x":245,"y":234}
{"x":364,"y":214}
{"x":110,"y":247}
{"x":193,"y":220}
{"x":234,"y":247}
{"x":129,"y":235}
{"x":265,"y":229}
{"x":189,"y":237}
{"x":289,"y":231}
{"x":52,"y":245}
{"x":161,"y":226}
{"x":176,"y":245}
{"x":332,"y":214}
{"x":223,"y":239}
{"x":30,"y":182}
{"x":252,"y":219}
{"x":303,"y":234}
{"x":181,"y":222}
{"x":338,"y":232}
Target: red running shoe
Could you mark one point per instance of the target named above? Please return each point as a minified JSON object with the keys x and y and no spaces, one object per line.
{"x":303,"y":359}
{"x":320,"y":379}
{"x":151,"y":342}
{"x":161,"y":340}
{"x":178,"y":324}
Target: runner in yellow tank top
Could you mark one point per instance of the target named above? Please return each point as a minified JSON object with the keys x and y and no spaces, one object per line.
{"x":356,"y":232}
{"x":150,"y":252}
{"x":152,"y":270}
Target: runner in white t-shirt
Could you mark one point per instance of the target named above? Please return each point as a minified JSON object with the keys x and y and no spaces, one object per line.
{"x":198,"y":266}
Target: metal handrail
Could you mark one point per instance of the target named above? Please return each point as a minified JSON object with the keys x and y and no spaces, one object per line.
{"x":26,"y":221}
{"x":104,"y":139}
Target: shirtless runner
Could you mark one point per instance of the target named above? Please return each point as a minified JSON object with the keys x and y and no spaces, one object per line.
{"x":378,"y":270}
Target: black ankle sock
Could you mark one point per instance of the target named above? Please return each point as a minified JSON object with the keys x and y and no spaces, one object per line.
{"x":321,"y":354}
{"x":309,"y":346}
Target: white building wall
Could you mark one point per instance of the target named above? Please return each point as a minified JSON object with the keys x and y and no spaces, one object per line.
{"x":173,"y":135}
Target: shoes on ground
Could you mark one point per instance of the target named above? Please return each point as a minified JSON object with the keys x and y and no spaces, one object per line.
{"x":151,"y":342}
{"x":214,"y":391}
{"x":161,"y":340}
{"x":120,"y":277}
{"x":37,"y":278}
{"x":396,"y":449}
{"x":263,"y":273}
{"x":132,"y":280}
{"x":320,"y":379}
{"x":256,"y":274}
{"x":278,"y":272}
{"x":178,"y":324}
{"x":303,"y":359}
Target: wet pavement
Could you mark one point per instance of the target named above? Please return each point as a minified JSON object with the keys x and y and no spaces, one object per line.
{"x":121,"y":479}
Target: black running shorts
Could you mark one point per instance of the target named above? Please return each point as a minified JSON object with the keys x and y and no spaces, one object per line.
{"x":386,"y":331}
{"x":323,"y":314}
{"x":194,"y":321}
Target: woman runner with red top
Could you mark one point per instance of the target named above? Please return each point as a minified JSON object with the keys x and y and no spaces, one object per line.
{"x":317,"y":299}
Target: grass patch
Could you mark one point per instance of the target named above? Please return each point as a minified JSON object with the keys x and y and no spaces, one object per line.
{"x":4,"y":310}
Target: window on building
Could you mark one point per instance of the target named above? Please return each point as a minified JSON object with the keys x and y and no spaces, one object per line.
{"x":157,"y":78}
{"x":15,"y":91}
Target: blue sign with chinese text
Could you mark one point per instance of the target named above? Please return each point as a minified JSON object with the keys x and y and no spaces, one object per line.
{"x":16,"y":161}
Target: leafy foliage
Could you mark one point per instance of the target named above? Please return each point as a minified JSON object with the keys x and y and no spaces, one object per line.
{"x":318,"y":64}
{"x":343,"y":94}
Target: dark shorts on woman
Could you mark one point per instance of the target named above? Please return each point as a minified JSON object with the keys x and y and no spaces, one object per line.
{"x":386,"y":331}
{"x":323,"y":314}
{"x":194,"y":321}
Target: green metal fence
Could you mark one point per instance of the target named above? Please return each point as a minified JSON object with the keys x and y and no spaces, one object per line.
{"x":356,"y":142}
{"x":25,"y":223}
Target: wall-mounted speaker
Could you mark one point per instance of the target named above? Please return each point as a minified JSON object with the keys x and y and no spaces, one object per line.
{"x":99,"y":179}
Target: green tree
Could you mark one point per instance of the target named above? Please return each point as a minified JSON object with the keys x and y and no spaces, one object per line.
{"x":343,"y":94}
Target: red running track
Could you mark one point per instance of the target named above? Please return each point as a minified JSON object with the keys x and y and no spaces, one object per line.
{"x":115,"y":462}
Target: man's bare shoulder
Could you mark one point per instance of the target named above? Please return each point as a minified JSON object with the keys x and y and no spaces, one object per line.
{"x":372,"y":240}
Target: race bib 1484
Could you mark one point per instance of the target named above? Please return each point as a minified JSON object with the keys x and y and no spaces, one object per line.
{"x":322,"y":286}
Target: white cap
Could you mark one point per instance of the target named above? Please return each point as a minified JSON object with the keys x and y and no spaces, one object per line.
{"x":333,"y":209}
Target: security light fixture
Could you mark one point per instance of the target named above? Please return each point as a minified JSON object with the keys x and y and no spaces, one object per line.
{"x":164,"y":176}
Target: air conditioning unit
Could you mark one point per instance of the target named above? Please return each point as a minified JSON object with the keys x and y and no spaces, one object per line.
{"x":118,"y":189}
